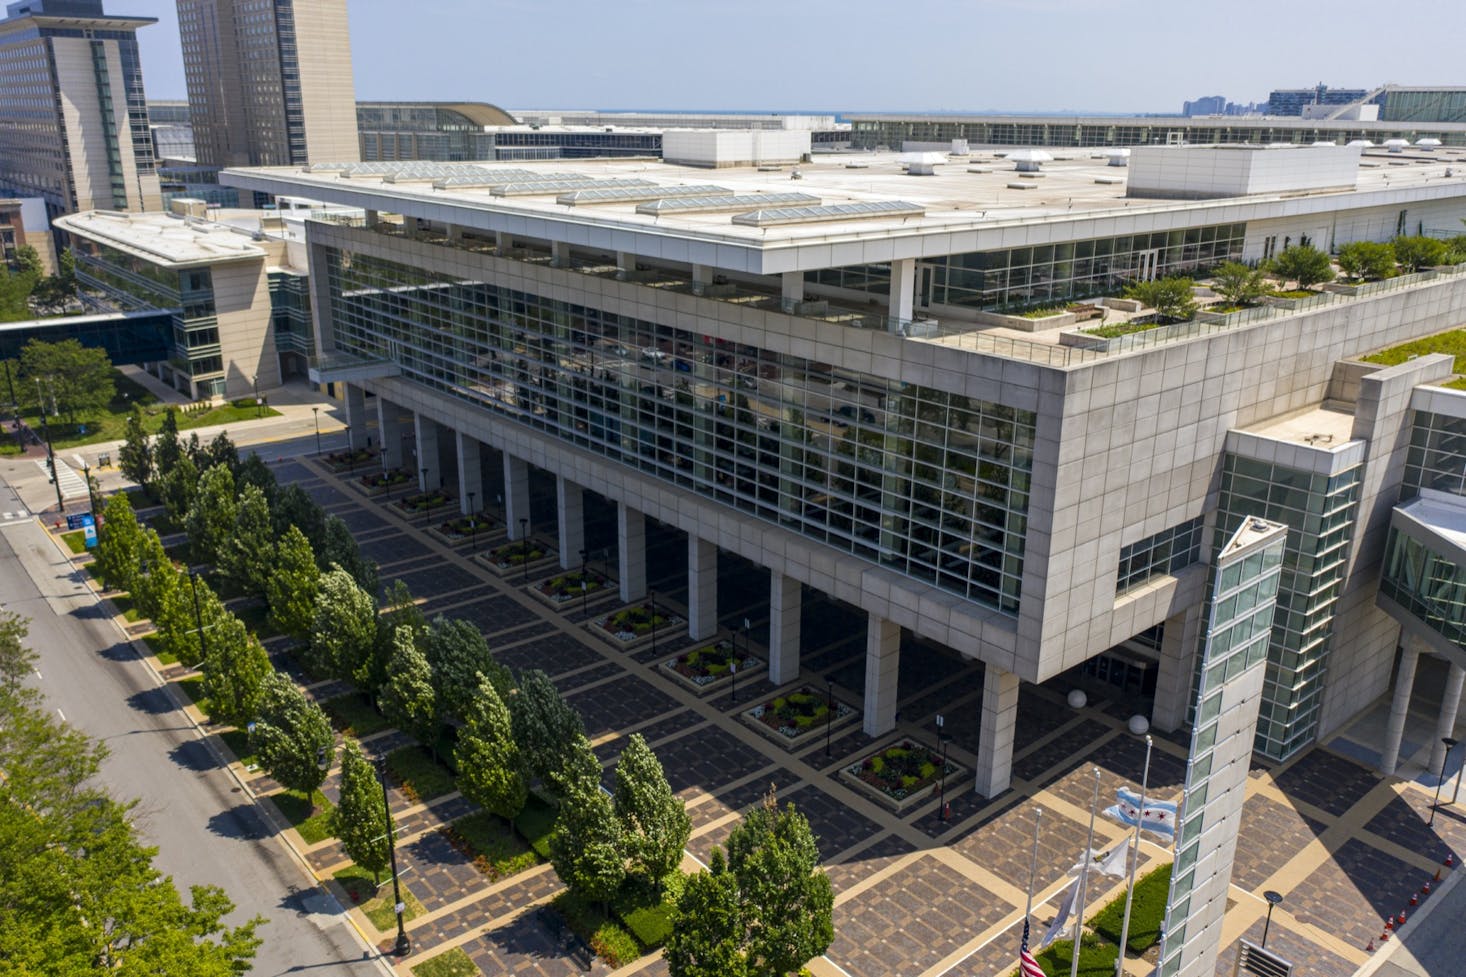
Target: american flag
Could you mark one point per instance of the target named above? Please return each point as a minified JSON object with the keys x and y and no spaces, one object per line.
{"x":1027,"y":966}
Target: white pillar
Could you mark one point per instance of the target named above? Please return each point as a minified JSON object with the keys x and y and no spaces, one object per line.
{"x":631,"y":552}
{"x":502,"y":241}
{"x":792,"y":290}
{"x":625,"y":265}
{"x":995,"y":741}
{"x":389,"y":429}
{"x":356,"y":417}
{"x":559,"y":254}
{"x":455,"y":232}
{"x":470,"y":475}
{"x":370,"y":218}
{"x":903,"y":290}
{"x":702,"y":588}
{"x":516,"y":495}
{"x":1399,"y":706}
{"x":1445,"y":724}
{"x":702,"y":277}
{"x":430,"y":468}
{"x":784,"y":610}
{"x":882,"y":665}
{"x":570,"y":515}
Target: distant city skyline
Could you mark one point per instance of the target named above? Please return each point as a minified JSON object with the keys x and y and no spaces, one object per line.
{"x":1050,"y":56}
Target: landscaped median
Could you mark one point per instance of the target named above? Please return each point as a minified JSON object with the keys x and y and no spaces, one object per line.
{"x":1099,"y":948}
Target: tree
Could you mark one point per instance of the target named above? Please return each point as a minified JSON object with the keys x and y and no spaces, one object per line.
{"x":119,"y":545}
{"x":1367,"y":259}
{"x":76,"y":380}
{"x":154,"y":575}
{"x":1170,"y":297}
{"x":1238,"y":284}
{"x":1417,"y":252}
{"x":292,"y":585}
{"x":360,"y":819}
{"x":586,"y":845}
{"x":788,"y":903}
{"x":653,"y":820}
{"x":490,"y":770}
{"x":177,"y":486}
{"x":399,"y":610}
{"x":344,"y":629}
{"x":135,"y":456}
{"x":545,"y":727}
{"x":459,"y":655}
{"x":235,"y":672}
{"x":1303,"y":264}
{"x":293,"y":506}
{"x":247,"y":554}
{"x":16,"y":660}
{"x":15,"y":293}
{"x":253,"y":471}
{"x":28,"y":260}
{"x":707,"y":927}
{"x":211,"y":516}
{"x":182,"y":606}
{"x":221,"y":451}
{"x":292,"y":737}
{"x":339,"y":547}
{"x":407,"y":697}
{"x":167,"y":449}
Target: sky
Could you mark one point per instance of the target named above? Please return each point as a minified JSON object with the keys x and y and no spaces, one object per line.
{"x":1119,"y":56}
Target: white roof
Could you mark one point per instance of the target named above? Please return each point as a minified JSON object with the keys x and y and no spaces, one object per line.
{"x":165,"y":239}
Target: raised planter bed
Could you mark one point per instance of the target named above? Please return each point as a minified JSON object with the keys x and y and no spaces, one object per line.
{"x":510,"y":558}
{"x":1235,"y":317}
{"x":1295,"y":302}
{"x":633,"y":626}
{"x":458,"y":529}
{"x":563,"y":591}
{"x":1382,"y":285}
{"x":380,"y":483}
{"x":705,"y":669}
{"x":424,"y":503}
{"x":347,"y":461}
{"x":900,"y":776}
{"x":799,"y":717}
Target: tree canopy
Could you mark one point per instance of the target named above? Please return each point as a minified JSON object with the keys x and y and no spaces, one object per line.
{"x":71,"y":380}
{"x":653,"y":820}
{"x":360,"y":819}
{"x":490,"y":771}
{"x":292,"y":737}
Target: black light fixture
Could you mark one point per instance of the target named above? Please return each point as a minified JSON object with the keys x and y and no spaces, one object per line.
{"x":1441,"y":778}
{"x":403,"y":946}
{"x":472,"y":525}
{"x":584,"y":588}
{"x":829,"y":714}
{"x":316,"y":411}
{"x":1273,"y":897}
{"x":942,"y":742}
{"x":198,"y":617}
{"x":524,"y":536}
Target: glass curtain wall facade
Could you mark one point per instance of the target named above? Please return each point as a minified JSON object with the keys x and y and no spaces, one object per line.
{"x":1095,"y":133}
{"x":1437,"y":455}
{"x":1319,"y":512}
{"x":932,"y":484}
{"x":1166,"y":552}
{"x":1427,"y":584}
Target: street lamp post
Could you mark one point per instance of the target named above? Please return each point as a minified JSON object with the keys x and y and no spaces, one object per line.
{"x":403,"y":946}
{"x":1441,"y":779}
{"x":86,"y":473}
{"x":50,"y":451}
{"x":829,"y":715}
{"x":317,"y":412}
{"x":198,"y":617}
{"x":584,"y":589}
{"x":524,"y":537}
{"x":259,"y":404}
{"x":942,"y":742}
{"x":652,"y":596}
{"x":472,"y":525}
{"x":1273,"y":898}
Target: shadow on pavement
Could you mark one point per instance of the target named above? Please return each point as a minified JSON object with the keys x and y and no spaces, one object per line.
{"x":154,"y":702}
{"x":122,"y":651}
{"x":195,"y":755}
{"x":242,"y":822}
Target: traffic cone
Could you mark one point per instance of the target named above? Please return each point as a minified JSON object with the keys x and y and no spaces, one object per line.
{"x":1414,"y":899}
{"x":1450,"y":859}
{"x":1385,"y":937}
{"x":1400,"y":921}
{"x":1370,"y":947}
{"x":1425,"y":889}
{"x":1389,"y":924}
{"x":1437,"y":876}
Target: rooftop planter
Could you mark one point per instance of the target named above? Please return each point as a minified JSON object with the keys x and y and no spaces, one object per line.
{"x":378,"y":483}
{"x":799,"y":717}
{"x":1232,"y":315}
{"x":900,"y":776}
{"x":460,"y":529}
{"x":706,"y":668}
{"x":1382,"y":285}
{"x":1298,"y":299}
{"x":565,"y":589}
{"x":633,"y":626}
{"x":421,"y":502}
{"x":515,"y":556}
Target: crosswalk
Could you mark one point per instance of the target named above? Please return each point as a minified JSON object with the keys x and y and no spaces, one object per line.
{"x":73,"y":486}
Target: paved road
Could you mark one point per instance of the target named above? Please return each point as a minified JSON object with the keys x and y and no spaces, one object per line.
{"x":190,"y":807}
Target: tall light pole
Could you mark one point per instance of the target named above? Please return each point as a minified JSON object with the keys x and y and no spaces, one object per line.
{"x":942,"y":742}
{"x":524,"y":535}
{"x":1273,"y":898}
{"x":652,"y":596}
{"x":50,"y":451}
{"x":472,"y":525}
{"x":403,"y":946}
{"x":829,"y":714}
{"x":317,"y":412}
{"x":198,"y":617}
{"x":259,"y":404}
{"x":1450,"y":745}
{"x":584,"y":589}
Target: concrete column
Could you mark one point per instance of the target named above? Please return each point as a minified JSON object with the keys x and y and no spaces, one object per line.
{"x":631,"y":552}
{"x":429,"y":465}
{"x":559,"y":254}
{"x":356,"y":416}
{"x":1445,"y":724}
{"x":455,"y":233}
{"x":995,"y":740}
{"x":882,"y":663}
{"x":702,"y":588}
{"x":793,"y":290}
{"x":784,"y":610}
{"x":702,"y":277}
{"x":516,"y":494}
{"x":371,"y":218}
{"x":625,"y":265}
{"x":570,"y":513}
{"x":1179,"y":644}
{"x":903,"y":290}
{"x":502,"y":241}
{"x":1399,"y":706}
{"x":470,"y":475}
{"x":389,"y":428}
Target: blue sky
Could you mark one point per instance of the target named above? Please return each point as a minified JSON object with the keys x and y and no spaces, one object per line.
{"x":876,"y":55}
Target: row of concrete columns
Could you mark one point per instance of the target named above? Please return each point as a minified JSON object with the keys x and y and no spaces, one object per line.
{"x":883,"y":641}
{"x":1410,"y":651}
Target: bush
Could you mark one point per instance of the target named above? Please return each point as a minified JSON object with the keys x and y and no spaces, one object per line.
{"x":646,"y":909}
{"x":607,"y":940}
{"x":1239,"y":284}
{"x":1170,"y":297}
{"x":1147,"y":912}
{"x":1415,"y":253}
{"x":1367,"y":259}
{"x":1303,"y":264}
{"x":536,"y":823}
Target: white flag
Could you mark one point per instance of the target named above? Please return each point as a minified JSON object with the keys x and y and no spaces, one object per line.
{"x":1118,"y":863}
{"x":1065,"y":908}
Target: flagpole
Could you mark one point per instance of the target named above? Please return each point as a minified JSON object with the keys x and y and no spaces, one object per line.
{"x":1134,"y":861}
{"x":1038,"y":816}
{"x":1084,"y":881}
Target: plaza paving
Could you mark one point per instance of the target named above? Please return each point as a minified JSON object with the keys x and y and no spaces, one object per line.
{"x":917,"y":896}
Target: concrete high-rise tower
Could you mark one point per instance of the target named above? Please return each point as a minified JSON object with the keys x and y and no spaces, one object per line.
{"x":73,"y":119}
{"x":269,"y":81}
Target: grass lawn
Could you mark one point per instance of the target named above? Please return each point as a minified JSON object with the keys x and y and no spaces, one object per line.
{"x":454,"y":963}
{"x":238,"y":742}
{"x":76,"y":541}
{"x":647,"y":911}
{"x":1453,"y":342}
{"x":192,"y":688}
{"x":155,"y":645}
{"x":417,"y":773}
{"x":377,"y":902}
{"x":535,"y":823}
{"x":126,"y":608}
{"x":495,"y":848}
{"x":353,"y":715}
{"x":1096,"y":958}
{"x":606,"y":938}
{"x":310,"y":816}
{"x":1147,"y":912}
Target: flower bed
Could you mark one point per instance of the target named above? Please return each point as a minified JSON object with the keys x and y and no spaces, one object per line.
{"x":901,"y":775}
{"x":340,"y":461}
{"x":794,"y":717}
{"x":511,"y":557}
{"x":460,"y":529}
{"x":635,"y":624}
{"x":424,"y":501}
{"x":378,"y":482}
{"x":705,"y":668}
{"x":561,"y":590}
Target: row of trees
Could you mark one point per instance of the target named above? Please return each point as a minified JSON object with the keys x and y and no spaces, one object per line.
{"x":78,"y":890}
{"x":26,"y":292}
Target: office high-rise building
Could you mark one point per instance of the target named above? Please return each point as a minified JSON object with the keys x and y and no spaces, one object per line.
{"x":73,"y":120}
{"x":269,"y":81}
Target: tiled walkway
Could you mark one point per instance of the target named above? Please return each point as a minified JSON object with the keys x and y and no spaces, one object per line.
{"x":916,"y":896}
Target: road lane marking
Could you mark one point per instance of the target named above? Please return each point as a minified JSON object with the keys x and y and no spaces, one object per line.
{"x":39,"y":676}
{"x":61,"y":714}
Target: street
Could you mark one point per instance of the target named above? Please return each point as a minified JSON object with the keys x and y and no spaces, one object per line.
{"x":206,"y":828}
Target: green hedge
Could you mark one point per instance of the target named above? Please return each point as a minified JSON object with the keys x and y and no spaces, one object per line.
{"x":1096,"y":958}
{"x":1146,"y":913}
{"x":646,"y":910}
{"x":535,"y":823}
{"x":606,"y":939}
